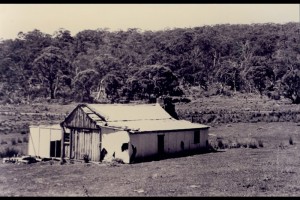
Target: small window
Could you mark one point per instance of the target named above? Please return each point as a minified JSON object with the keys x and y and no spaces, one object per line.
{"x":124,"y":147}
{"x":67,"y":137}
{"x":196,"y":136}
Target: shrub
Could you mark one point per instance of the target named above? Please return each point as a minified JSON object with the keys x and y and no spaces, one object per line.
{"x":115,"y":162}
{"x":9,"y":152}
{"x":260,"y":143}
{"x":3,"y":142}
{"x":86,"y":158}
{"x":252,"y":144}
{"x":234,"y":144}
{"x":211,"y":147}
{"x":242,"y":143}
{"x":118,"y":160}
{"x":25,"y":140}
{"x":281,"y":145}
{"x":23,"y":132}
{"x":291,"y":142}
{"x":13,"y":141}
{"x":220,"y":144}
{"x":19,"y":140}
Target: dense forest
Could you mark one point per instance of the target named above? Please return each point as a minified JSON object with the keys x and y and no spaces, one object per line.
{"x":142,"y":65}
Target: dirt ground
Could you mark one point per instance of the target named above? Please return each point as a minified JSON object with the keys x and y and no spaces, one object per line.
{"x":272,"y":170}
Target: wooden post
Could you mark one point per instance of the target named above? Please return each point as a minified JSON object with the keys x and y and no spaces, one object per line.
{"x":62,"y":144}
{"x":71,"y":143}
{"x":100,"y":143}
{"x":39,"y":142}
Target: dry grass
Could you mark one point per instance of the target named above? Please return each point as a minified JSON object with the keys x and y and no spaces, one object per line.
{"x":238,"y":108}
{"x":271,"y":169}
{"x":9,"y":152}
{"x":267,"y":171}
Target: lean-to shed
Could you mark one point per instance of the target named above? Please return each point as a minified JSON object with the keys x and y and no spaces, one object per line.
{"x":45,"y":141}
{"x":128,"y":132}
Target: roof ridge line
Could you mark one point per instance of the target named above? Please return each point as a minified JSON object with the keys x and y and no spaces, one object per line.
{"x":96,"y":113}
{"x":139,"y":120}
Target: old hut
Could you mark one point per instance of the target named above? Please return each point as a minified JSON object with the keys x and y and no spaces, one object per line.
{"x":128,"y":132}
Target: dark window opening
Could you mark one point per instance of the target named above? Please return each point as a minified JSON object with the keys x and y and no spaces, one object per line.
{"x":161,"y":144}
{"x":55,"y":148}
{"x":182,"y":145}
{"x":197,"y":137}
{"x":102,"y":154}
{"x":134,"y":150}
{"x":124,"y":147}
{"x":67,"y":137}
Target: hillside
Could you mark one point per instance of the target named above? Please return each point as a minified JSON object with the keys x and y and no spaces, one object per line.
{"x":133,"y":65}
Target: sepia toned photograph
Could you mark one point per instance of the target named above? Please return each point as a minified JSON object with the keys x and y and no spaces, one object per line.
{"x":143,"y":100}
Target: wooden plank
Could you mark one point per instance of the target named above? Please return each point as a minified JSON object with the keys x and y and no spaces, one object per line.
{"x":95,"y":146}
{"x":92,"y":142}
{"x":75,"y":144}
{"x":62,"y":143}
{"x":89,"y":144}
{"x":81,"y":119}
{"x":100,"y":143}
{"x":85,"y":145}
{"x":71,"y":142}
{"x":94,"y":152}
{"x":78,"y":144}
{"x":82,"y":145}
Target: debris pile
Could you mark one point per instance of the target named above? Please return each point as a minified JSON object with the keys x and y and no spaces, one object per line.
{"x":22,"y":159}
{"x":25,"y":159}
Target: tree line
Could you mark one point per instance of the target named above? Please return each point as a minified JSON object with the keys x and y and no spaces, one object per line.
{"x":142,"y":65}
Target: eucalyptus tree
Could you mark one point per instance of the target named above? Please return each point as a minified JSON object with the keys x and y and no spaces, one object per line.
{"x":50,"y":68}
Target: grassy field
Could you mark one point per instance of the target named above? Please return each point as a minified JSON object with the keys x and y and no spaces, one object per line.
{"x":238,"y":108}
{"x":271,"y":168}
{"x":15,"y":121}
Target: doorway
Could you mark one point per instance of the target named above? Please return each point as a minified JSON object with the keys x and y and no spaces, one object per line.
{"x":55,"y":148}
{"x":161,"y":144}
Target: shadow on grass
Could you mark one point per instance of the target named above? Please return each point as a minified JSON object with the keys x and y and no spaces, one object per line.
{"x":174,"y":155}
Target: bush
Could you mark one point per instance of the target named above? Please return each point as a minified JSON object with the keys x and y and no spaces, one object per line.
{"x":9,"y":152}
{"x":19,"y":140}
{"x":118,"y":160}
{"x":291,"y":142}
{"x":252,"y":144}
{"x":115,"y":162}
{"x":13,"y":141}
{"x":86,"y":158}
{"x":260,"y":143}
{"x":220,"y":144}
{"x":3,"y":142}
{"x":238,"y":144}
{"x":23,"y":132}
{"x":25,"y":140}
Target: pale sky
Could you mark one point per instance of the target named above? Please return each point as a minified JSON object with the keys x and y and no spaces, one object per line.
{"x":48,"y":18}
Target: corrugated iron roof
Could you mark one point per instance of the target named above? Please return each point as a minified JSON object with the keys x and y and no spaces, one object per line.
{"x":154,"y":125}
{"x":136,"y":117}
{"x":129,"y":112}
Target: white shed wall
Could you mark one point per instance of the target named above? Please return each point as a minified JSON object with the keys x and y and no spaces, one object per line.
{"x":34,"y":141}
{"x":112,"y":142}
{"x":147,"y":143}
{"x":40,"y":138}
